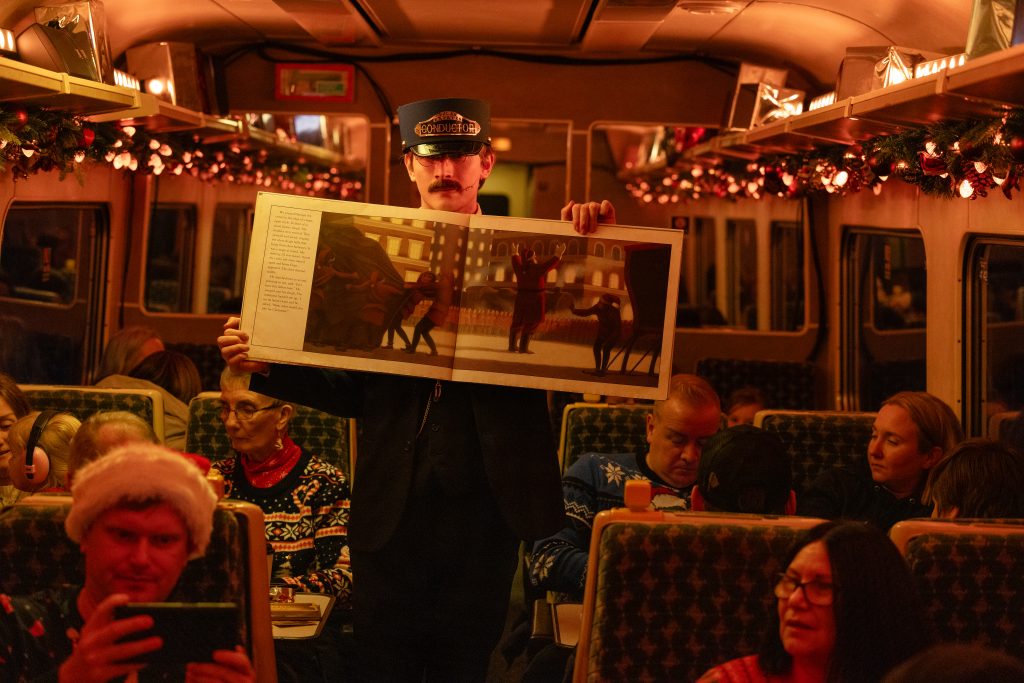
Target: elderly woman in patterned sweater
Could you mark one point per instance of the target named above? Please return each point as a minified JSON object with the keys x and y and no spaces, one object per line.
{"x":305,"y":501}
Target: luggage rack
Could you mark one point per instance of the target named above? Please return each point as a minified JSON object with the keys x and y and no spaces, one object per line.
{"x":981,"y":88}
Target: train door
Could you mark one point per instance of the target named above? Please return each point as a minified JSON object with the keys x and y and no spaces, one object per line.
{"x":994,"y":349}
{"x":884,"y":311}
{"x":53,"y":271}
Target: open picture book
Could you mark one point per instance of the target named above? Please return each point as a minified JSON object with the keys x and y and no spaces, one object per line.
{"x":470,"y":298}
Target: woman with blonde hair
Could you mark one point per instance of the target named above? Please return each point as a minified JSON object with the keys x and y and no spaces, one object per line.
{"x":910,"y":434}
{"x":40,"y":445}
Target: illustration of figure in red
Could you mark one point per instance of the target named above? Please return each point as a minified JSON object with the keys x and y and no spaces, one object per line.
{"x":531,"y":276}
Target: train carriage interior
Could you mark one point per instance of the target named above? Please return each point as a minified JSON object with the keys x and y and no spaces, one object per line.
{"x":846,"y":175}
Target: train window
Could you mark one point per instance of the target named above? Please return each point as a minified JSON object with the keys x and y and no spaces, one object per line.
{"x":995,"y":332}
{"x":884,"y":313}
{"x":229,"y":256}
{"x":787,"y":276}
{"x":741,"y":281}
{"x":52,"y":272}
{"x":531,"y":178}
{"x":169,"y":256}
{"x":697,"y":306}
{"x":41,"y":253}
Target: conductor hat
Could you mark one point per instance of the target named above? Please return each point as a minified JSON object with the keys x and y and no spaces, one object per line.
{"x":445,"y":126}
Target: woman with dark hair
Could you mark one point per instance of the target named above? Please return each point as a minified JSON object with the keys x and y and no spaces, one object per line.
{"x":177,"y":379}
{"x":979,"y":478}
{"x":847,"y":612}
{"x":958,"y":663}
{"x":126,"y":349}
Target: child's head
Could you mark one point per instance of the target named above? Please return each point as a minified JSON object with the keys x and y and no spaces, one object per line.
{"x":743,"y":404}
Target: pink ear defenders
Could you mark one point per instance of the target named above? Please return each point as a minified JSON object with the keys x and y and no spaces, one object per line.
{"x":36,"y":460}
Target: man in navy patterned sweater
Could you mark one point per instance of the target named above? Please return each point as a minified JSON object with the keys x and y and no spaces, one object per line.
{"x":676,"y":432}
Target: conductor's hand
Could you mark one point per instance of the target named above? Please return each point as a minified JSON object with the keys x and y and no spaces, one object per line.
{"x":585,"y":217}
{"x":234,"y":349}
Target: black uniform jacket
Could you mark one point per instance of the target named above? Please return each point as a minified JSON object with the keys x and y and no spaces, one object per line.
{"x":508,"y":427}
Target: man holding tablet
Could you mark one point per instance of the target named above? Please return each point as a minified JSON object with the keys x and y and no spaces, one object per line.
{"x":139,"y":514}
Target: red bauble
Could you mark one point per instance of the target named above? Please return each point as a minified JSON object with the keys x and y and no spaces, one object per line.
{"x":1016,"y":145}
{"x":20,"y":120}
{"x":86,"y":137}
{"x":880,"y":167}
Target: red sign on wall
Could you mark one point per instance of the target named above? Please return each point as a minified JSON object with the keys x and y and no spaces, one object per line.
{"x":315,"y":82}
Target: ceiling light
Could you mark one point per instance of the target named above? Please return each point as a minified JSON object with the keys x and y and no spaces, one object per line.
{"x":712,"y":6}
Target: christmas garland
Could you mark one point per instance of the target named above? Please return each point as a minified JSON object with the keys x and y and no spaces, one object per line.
{"x":36,"y":140}
{"x":964,"y":159}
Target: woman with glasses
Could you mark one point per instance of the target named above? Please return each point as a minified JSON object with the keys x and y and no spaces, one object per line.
{"x":847,"y":612}
{"x":305,"y":501}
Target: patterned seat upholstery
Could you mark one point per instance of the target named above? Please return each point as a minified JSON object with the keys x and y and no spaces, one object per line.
{"x":36,"y":554}
{"x":322,"y":434}
{"x":85,"y":401}
{"x":786,"y":385}
{"x":207,"y":359}
{"x":668,"y":596}
{"x":601,"y":428}
{"x":971,"y":578}
{"x":818,"y":440}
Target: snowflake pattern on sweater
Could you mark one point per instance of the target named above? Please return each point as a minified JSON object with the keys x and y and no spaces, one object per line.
{"x":595,"y":482}
{"x":306,"y":519}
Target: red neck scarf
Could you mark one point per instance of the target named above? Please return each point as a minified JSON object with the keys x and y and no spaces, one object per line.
{"x":265,"y":474}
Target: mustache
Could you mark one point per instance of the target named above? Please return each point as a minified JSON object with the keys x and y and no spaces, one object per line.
{"x":443,"y":185}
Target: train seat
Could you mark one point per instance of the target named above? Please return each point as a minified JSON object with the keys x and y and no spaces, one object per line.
{"x":601,"y":428}
{"x":36,"y":554}
{"x":669,"y":595}
{"x":327,"y":436}
{"x":970,"y":574}
{"x":998,"y":423}
{"x":82,"y":401}
{"x":787,"y":385}
{"x":818,"y":440}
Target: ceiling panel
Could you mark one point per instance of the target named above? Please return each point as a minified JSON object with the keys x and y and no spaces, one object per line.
{"x":539,"y":23}
{"x":808,"y":35}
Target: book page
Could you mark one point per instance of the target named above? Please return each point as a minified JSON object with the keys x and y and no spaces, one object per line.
{"x":545,"y":307}
{"x":494,"y":300}
{"x":329,"y":283}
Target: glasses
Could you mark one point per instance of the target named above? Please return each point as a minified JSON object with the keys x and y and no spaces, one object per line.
{"x":457,"y":158}
{"x":819,"y":593}
{"x":243,"y":411}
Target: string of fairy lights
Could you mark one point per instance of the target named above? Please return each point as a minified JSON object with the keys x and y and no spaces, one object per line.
{"x":39,"y":140}
{"x":955,"y":159}
{"x":964,"y":159}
